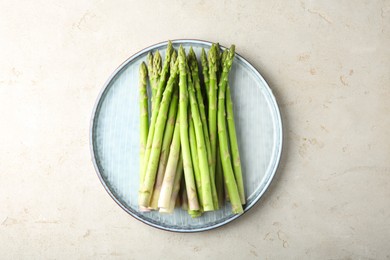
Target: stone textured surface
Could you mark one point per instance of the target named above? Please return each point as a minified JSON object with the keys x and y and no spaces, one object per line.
{"x":328,"y":63}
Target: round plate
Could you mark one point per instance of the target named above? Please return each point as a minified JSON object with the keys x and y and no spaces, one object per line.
{"x":114,"y":137}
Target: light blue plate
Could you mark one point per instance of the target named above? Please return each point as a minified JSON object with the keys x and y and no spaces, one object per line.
{"x":114,"y":137}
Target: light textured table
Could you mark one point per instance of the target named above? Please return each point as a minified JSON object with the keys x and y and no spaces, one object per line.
{"x":327,"y":62}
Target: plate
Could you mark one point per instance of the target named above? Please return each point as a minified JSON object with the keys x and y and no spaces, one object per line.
{"x":114,"y":137}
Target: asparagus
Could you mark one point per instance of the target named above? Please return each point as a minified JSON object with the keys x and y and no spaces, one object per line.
{"x":176,"y":184}
{"x":205,"y":71}
{"x":174,"y":154}
{"x":168,"y":134}
{"x":212,"y":106}
{"x":157,"y":67}
{"x":151,"y":170}
{"x":156,"y":107}
{"x":195,"y":159}
{"x":144,"y":119}
{"x":175,"y":188}
{"x":234,"y":145}
{"x":218,"y":60}
{"x":225,"y":190}
{"x":207,"y":147}
{"x":220,"y":184}
{"x":154,"y":67}
{"x":193,"y":64}
{"x":193,"y":203}
{"x":219,"y":179}
{"x":207,"y":202}
{"x":149,"y":62}
{"x":223,"y":138}
{"x":195,"y":213}
{"x":223,"y":58}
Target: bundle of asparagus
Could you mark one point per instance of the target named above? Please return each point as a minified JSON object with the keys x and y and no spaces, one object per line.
{"x":188,"y":146}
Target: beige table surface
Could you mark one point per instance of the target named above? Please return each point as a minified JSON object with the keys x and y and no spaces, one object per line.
{"x":328,"y":63}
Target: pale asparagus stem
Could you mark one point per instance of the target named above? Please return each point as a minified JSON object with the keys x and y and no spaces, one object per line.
{"x":150,"y":175}
{"x":169,"y":176}
{"x":219,"y":179}
{"x":212,"y":106}
{"x":144,"y":119}
{"x":168,"y":134}
{"x":156,"y":107}
{"x":183,"y":107}
{"x":176,"y":184}
{"x":176,"y":187}
{"x":207,"y":202}
{"x":195,"y":159}
{"x":193,"y":63}
{"x":234,"y":145}
{"x":223,"y":138}
{"x":205,"y":71}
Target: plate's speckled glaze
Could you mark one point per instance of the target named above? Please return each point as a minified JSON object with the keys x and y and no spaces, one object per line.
{"x":114,"y":138}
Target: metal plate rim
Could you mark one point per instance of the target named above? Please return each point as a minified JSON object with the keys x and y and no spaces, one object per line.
{"x":134,"y":214}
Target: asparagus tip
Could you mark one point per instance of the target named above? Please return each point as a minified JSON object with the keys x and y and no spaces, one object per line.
{"x":229,"y":58}
{"x":157,"y":63}
{"x":203,"y":53}
{"x":169,"y":49}
{"x":173,"y":60}
{"x":143,"y":71}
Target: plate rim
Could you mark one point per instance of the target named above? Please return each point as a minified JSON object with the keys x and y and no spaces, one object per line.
{"x":129,"y":211}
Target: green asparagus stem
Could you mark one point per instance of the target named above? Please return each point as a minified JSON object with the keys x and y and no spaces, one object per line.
{"x":223,"y":138}
{"x":194,"y":213}
{"x":167,"y":139}
{"x":234,"y":145}
{"x":212,"y":106}
{"x":151,"y":170}
{"x":144,"y":119}
{"x":195,"y":159}
{"x":221,"y":187}
{"x":183,"y":107}
{"x":225,"y":190}
{"x":207,"y":197}
{"x":219,"y":179}
{"x":156,"y":107}
{"x":169,"y":176}
{"x":193,"y":64}
{"x":205,"y":71}
{"x":176,"y":187}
